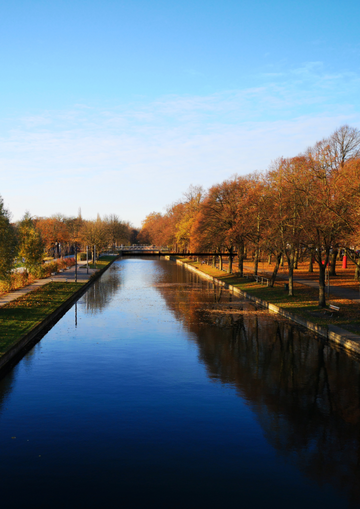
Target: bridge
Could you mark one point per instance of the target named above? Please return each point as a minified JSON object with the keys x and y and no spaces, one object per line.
{"x":163,"y":251}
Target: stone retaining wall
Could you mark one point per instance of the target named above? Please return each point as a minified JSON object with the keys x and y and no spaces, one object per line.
{"x":337,"y":339}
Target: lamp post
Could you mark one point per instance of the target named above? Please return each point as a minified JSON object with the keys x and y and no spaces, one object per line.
{"x":75,"y":263}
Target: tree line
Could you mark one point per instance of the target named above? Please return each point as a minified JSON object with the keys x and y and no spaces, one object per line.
{"x":30,"y":240}
{"x":303,"y":206}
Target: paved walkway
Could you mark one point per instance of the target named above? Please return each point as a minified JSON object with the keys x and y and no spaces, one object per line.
{"x":66,"y":276}
{"x":337,"y":291}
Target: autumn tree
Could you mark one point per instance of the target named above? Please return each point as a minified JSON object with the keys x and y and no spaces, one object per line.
{"x":189,"y":208}
{"x":215,"y":221}
{"x":168,"y":234}
{"x":226,"y":214}
{"x":74,"y":226}
{"x":330,"y":209}
{"x":160,"y":229}
{"x":133,"y":235}
{"x":152,"y":227}
{"x":351,"y":236}
{"x":118,"y":231}
{"x":55,"y":233}
{"x":207,"y":233}
{"x":242,"y":225}
{"x":341,"y":147}
{"x":95,"y":233}
{"x":256,"y":210}
{"x":287,"y":209}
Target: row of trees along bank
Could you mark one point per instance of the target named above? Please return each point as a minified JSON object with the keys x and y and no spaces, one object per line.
{"x":308,"y":205}
{"x":32,"y":239}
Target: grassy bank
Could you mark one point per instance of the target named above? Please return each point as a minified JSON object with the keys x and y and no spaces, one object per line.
{"x":304,"y":303}
{"x":20,"y":316}
{"x":23,"y":314}
{"x":102,"y":262}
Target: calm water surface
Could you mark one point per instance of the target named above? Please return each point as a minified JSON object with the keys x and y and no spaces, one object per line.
{"x":158,"y":389}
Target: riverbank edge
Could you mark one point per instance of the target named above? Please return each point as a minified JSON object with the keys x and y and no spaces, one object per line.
{"x":28,"y":340}
{"x":333,"y":337}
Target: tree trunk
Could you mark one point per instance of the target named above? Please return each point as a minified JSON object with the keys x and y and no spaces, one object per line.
{"x":214,"y":261}
{"x":322,"y":294}
{"x":291,"y":262}
{"x":311,"y":262}
{"x":230,"y":261}
{"x":296,"y":259}
{"x":354,"y":258}
{"x":256,"y":261}
{"x":282,"y":260}
{"x":333,"y":262}
{"x":220,"y":262}
{"x":275,"y":271}
{"x":269,"y":259}
{"x":291,"y":281}
{"x":241,"y":254}
{"x":322,"y":274}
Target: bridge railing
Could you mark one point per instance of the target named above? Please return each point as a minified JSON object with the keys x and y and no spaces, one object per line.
{"x":143,"y":248}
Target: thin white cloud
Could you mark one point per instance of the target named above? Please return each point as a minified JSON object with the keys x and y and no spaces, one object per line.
{"x":133,"y":159}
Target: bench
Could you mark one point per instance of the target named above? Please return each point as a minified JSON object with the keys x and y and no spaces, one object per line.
{"x":262,"y":280}
{"x":334,"y":308}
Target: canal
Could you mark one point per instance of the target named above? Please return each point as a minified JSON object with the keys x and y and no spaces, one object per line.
{"x":159,"y":389}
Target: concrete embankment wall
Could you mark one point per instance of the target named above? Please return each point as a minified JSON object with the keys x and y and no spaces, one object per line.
{"x":333,"y":337}
{"x":23,"y":345}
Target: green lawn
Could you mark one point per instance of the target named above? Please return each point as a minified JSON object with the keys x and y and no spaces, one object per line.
{"x":23,"y":314}
{"x":102,"y":262}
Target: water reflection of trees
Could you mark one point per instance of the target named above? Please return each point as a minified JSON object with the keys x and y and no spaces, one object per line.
{"x":304,"y":393}
{"x":100,"y":293}
{"x":6,"y":386}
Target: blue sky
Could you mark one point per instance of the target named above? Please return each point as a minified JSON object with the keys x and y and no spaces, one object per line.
{"x":117,"y":107}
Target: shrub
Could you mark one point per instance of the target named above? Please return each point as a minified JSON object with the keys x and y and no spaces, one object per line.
{"x":83,"y":257}
{"x":15,"y":281}
{"x":48,"y":268}
{"x":61,"y":263}
{"x":21,"y":279}
{"x":69,"y":261}
{"x":5,"y":285}
{"x":37,"y":272}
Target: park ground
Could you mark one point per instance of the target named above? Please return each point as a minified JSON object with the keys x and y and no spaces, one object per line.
{"x":344,"y":291}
